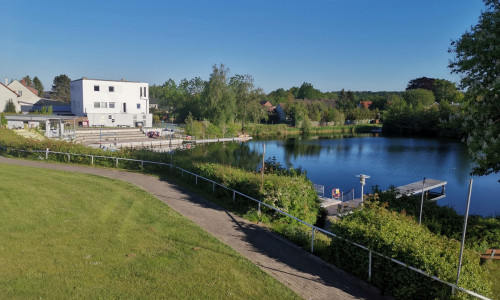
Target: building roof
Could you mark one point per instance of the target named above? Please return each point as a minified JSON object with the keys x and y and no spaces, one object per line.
{"x":1,"y":84}
{"x":33,"y":90}
{"x":365,"y":104}
{"x":121,"y":80}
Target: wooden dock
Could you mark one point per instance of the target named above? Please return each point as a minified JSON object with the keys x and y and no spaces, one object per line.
{"x":416,"y":188}
{"x":411,"y":189}
{"x":232,"y":139}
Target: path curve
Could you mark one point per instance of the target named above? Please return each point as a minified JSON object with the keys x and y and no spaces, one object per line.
{"x":304,"y":273}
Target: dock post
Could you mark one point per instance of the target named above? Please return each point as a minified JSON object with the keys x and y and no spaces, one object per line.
{"x":421,"y":203}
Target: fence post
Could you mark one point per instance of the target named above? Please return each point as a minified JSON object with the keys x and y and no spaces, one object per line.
{"x":69,"y":157}
{"x":117,"y":162}
{"x":258,"y":210}
{"x":369,"y":265}
{"x":312,"y":240}
{"x":196,"y":180}
{"x":142,"y":164}
{"x":47,"y":154}
{"x":213,"y":188}
{"x":234,"y":195}
{"x":92,"y":159}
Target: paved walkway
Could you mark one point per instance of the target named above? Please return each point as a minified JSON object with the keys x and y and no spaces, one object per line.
{"x":307,"y":275}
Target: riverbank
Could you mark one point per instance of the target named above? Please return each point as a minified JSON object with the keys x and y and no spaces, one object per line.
{"x":281,"y":130}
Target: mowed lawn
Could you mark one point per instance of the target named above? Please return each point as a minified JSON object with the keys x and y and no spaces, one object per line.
{"x":72,"y":235}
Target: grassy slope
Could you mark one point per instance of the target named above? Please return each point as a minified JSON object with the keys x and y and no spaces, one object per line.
{"x":73,"y":235}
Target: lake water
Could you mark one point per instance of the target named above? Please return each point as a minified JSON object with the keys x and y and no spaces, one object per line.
{"x":334,"y":162}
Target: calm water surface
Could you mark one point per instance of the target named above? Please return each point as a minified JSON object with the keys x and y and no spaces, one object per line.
{"x":334,"y":162}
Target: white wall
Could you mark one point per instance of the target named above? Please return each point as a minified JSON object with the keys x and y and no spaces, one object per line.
{"x":128,"y":98}
{"x":26,"y":95}
{"x":6,"y":95}
{"x":129,"y":120}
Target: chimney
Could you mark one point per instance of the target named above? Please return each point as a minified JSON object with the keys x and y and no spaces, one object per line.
{"x":6,"y":81}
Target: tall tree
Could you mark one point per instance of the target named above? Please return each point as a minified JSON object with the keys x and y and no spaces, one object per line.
{"x":346,"y":100}
{"x":445,"y":90}
{"x":37,"y":84}
{"x":244,"y":91}
{"x":60,"y":88}
{"x":477,"y":57}
{"x":277,"y":96}
{"x":419,"y":96}
{"x":28,"y":81}
{"x":220,"y":103}
{"x":307,"y":91}
{"x":421,"y":83}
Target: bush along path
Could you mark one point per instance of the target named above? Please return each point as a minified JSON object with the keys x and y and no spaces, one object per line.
{"x":301,"y":271}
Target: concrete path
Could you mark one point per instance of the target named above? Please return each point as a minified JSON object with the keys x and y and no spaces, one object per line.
{"x":307,"y":275}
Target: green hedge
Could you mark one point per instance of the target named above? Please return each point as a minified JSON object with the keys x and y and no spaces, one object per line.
{"x":482,"y":232}
{"x":399,"y":236}
{"x":292,"y":194}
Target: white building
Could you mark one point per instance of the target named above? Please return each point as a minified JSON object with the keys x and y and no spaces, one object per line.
{"x":7,"y":94}
{"x":111,"y":102}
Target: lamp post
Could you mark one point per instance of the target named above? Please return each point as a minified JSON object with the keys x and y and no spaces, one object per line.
{"x":362,"y":181}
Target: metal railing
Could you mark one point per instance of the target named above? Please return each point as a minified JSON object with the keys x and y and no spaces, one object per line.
{"x":259,"y":205}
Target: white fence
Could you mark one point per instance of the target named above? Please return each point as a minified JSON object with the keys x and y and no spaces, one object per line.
{"x":259,"y":204}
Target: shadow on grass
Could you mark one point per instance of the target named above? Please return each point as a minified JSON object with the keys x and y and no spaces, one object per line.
{"x":260,"y":239}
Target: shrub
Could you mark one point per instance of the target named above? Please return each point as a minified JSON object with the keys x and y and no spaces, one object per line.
{"x":292,"y":194}
{"x":399,"y":236}
{"x":482,"y":232}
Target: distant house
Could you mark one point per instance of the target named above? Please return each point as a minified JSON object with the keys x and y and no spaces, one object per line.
{"x":269,"y":107}
{"x":280,"y":110}
{"x":365,"y":104}
{"x":7,"y":94}
{"x":27,"y":95}
{"x":111,"y":102}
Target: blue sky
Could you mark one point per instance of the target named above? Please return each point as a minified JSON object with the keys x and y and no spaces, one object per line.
{"x":333,"y":44}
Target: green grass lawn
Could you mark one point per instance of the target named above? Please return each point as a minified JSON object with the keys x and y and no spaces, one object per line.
{"x":73,"y":235}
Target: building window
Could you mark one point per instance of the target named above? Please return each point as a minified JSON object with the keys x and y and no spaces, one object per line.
{"x":138,"y":106}
{"x":97,"y":104}
{"x":140,"y":88}
{"x":145,"y":92}
{"x":111,"y":105}
{"x":111,"y":89}
{"x":104,"y":105}
{"x":96,"y":88}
